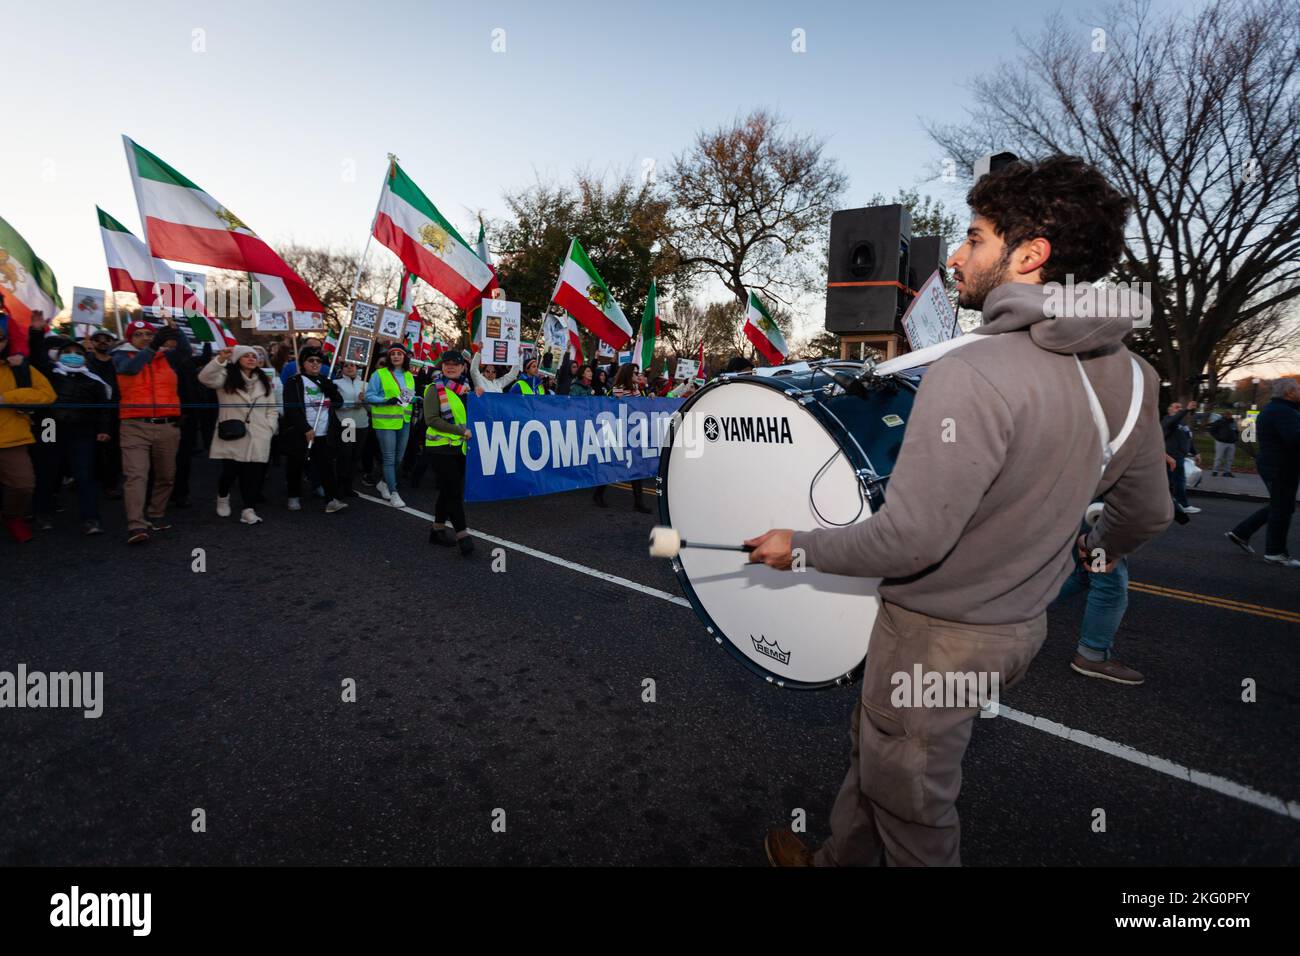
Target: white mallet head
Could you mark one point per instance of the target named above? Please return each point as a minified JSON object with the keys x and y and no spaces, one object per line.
{"x":664,"y":542}
{"x":1093,"y":514}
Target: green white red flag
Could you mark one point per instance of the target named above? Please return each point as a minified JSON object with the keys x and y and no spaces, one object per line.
{"x":428,"y":245}
{"x":582,"y":293}
{"x":575,"y":338}
{"x":184,"y":224}
{"x":476,"y":311}
{"x":27,"y":285}
{"x":156,"y":284}
{"x":649,"y":330}
{"x":760,"y":329}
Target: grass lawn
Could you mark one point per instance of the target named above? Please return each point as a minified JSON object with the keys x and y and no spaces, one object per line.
{"x":1243,"y":461}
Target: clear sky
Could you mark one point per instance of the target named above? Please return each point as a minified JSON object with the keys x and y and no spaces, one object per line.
{"x":285,"y":110}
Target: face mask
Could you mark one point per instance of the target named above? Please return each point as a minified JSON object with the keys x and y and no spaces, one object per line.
{"x":72,"y":360}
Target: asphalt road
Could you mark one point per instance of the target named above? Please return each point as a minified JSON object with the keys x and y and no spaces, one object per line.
{"x":522,"y":691}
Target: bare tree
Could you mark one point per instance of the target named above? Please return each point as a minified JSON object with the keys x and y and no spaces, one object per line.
{"x":753,"y":207}
{"x":1195,"y":115}
{"x":1265,"y":337}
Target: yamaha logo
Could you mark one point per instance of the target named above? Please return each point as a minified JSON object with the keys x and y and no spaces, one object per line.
{"x":772,"y":430}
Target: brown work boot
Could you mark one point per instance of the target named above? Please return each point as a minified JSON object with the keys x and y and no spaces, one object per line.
{"x":783,"y":848}
{"x":1111,"y":670}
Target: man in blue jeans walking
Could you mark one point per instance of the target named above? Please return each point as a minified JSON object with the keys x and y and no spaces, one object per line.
{"x":1107,"y":601}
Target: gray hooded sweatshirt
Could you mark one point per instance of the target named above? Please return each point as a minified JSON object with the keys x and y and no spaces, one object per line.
{"x":980,"y":528}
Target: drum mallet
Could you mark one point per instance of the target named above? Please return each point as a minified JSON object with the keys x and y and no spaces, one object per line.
{"x":666,"y":542}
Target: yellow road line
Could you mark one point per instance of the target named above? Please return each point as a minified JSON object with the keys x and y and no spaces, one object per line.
{"x":1157,"y":590}
{"x":649,"y":489}
{"x":1227,"y":604}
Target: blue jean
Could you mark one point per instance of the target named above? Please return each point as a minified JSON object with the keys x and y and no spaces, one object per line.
{"x":392,"y":446}
{"x":1107,"y":602}
{"x":1178,"y":483}
{"x":76,"y":453}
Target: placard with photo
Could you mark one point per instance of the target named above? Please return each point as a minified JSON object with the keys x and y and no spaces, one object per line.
{"x":365,"y":317}
{"x":308,"y":321}
{"x":358,"y":348}
{"x":272,"y":322}
{"x":391,"y":323}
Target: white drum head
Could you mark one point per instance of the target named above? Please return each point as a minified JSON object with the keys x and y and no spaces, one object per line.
{"x":747,"y":458}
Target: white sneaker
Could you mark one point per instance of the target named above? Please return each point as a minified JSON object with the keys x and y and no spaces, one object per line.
{"x":1192,"y":510}
{"x":396,"y":500}
{"x":382,"y":488}
{"x":223,"y":507}
{"x":249,"y":516}
{"x":1283,"y":559}
{"x":295,"y":504}
{"x":334,"y":505}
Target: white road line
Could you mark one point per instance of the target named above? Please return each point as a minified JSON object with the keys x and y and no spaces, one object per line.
{"x":1285,"y":808}
{"x":1221,"y":785}
{"x":580,"y":568}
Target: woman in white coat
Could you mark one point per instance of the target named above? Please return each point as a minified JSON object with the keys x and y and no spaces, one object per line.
{"x":248,"y":419}
{"x":485,"y":376}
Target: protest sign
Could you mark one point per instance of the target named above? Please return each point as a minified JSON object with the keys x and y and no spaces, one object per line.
{"x":929,"y":318}
{"x":87,"y":310}
{"x":500,"y":329}
{"x":522,"y":446}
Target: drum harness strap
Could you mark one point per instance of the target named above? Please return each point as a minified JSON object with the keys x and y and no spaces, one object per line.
{"x":1109,"y":449}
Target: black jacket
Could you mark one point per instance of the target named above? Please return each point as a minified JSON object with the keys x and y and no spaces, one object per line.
{"x":1278,"y":431}
{"x":81,"y":406}
{"x":1178,"y":440}
{"x":296,"y":425}
{"x":1224,"y":430}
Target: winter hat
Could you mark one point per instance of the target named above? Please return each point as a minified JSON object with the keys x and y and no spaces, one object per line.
{"x":239,"y":351}
{"x":139,"y":325}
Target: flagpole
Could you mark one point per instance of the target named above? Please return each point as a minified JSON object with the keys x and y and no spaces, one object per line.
{"x":361,"y":263}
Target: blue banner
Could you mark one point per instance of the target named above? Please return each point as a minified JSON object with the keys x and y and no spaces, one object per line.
{"x":522,"y":446}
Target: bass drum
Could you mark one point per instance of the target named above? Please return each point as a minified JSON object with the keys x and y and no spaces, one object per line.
{"x":789,"y":449}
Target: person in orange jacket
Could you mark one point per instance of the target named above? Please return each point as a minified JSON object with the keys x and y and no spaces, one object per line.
{"x":20,"y":385}
{"x":147,"y":365}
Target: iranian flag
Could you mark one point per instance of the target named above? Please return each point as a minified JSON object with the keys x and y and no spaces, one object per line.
{"x":583,"y":294}
{"x":761,"y":330}
{"x":428,"y":245}
{"x":27,"y":285}
{"x":575,"y":338}
{"x":331,"y":343}
{"x":649,"y":329}
{"x":152,"y":281}
{"x":185,"y":224}
{"x":476,"y":313}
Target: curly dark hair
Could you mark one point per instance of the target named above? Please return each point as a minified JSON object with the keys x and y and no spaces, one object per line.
{"x":1066,"y":201}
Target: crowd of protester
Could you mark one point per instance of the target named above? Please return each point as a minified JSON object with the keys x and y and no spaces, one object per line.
{"x":125,"y":419}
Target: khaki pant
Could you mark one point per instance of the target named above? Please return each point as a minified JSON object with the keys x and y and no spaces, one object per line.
{"x":898,"y":803}
{"x":146,"y":444}
{"x":18,"y":479}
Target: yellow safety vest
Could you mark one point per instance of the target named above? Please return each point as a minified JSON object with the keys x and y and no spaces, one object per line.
{"x":391,"y":417}
{"x":434,"y":438}
{"x":526,"y":389}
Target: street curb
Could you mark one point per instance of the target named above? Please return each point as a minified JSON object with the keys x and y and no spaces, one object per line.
{"x":1226,"y":494}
